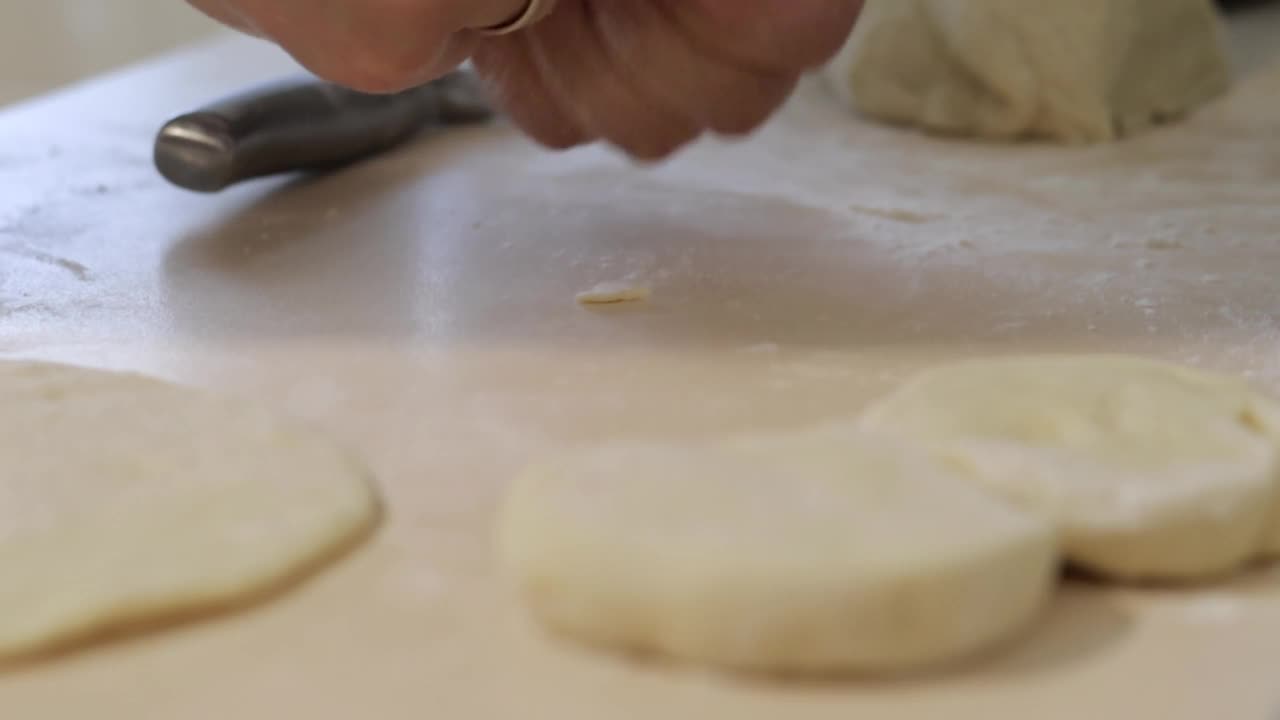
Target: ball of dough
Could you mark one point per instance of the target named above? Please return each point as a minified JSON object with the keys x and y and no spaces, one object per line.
{"x":1079,"y":71}
{"x":818,"y":552}
{"x":127,"y":501}
{"x":1151,"y":471}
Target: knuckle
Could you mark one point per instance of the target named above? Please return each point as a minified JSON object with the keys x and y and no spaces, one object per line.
{"x":776,"y":34}
{"x":561,"y":139}
{"x":647,"y":153}
{"x":750,"y":112}
{"x":551,"y":134}
{"x":644,"y":129}
{"x":520,"y":92}
{"x":655,"y":148}
{"x":743,"y":121}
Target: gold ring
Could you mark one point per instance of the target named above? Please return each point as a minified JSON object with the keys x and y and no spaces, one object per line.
{"x":532,"y":12}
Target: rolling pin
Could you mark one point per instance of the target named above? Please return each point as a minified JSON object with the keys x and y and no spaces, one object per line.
{"x":306,"y":125}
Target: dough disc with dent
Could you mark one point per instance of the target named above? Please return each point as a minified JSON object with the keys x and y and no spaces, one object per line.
{"x":127,"y":501}
{"x":825,"y":551}
{"x":1150,"y":470}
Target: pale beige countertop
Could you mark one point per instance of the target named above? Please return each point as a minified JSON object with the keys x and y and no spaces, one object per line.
{"x":45,"y":44}
{"x":421,"y":306}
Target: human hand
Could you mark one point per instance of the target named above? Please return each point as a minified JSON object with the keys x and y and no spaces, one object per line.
{"x":646,"y":76}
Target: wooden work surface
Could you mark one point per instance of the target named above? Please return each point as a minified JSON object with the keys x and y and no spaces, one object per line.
{"x":421,"y":306}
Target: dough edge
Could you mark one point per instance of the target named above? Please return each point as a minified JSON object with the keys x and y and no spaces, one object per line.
{"x":122,"y":618}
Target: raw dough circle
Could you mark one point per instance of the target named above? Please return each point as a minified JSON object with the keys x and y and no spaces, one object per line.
{"x":827,"y":551}
{"x":1150,"y":470}
{"x":126,"y":501}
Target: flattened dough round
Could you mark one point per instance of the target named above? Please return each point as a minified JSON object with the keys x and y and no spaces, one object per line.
{"x":828,"y":551}
{"x":125,"y":501}
{"x":1150,"y":470}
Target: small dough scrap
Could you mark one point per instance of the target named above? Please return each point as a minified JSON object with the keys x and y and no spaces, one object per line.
{"x":613,"y":293}
{"x":127,"y":501}
{"x":1150,"y":470}
{"x":826,"y":551}
{"x":1079,"y":71}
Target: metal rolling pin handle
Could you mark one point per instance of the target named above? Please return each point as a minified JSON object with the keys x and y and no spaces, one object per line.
{"x":306,"y":125}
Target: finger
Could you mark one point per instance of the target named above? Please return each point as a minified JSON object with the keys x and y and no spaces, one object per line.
{"x":793,"y":35}
{"x":224,"y":13}
{"x":573,"y":61}
{"x":374,"y":45}
{"x":506,"y":65}
{"x":481,"y":14}
{"x":728,"y":98}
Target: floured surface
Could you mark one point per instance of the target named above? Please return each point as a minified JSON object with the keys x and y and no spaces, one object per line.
{"x":419,"y":306}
